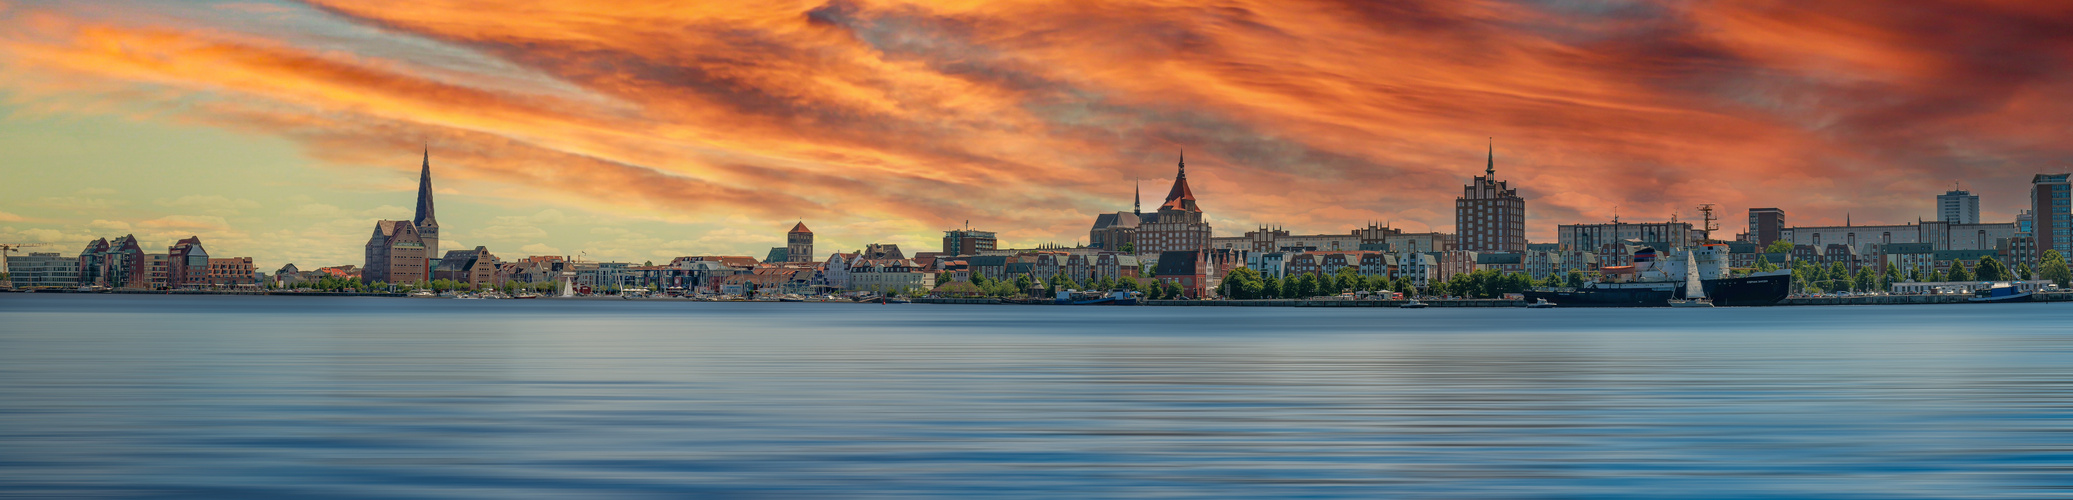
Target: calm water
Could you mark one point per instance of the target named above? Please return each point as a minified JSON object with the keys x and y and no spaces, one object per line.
{"x":220,"y":397}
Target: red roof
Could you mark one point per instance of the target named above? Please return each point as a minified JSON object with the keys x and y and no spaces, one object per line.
{"x":800,"y":228}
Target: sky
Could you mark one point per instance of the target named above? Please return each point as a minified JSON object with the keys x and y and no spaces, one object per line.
{"x":644,"y":130}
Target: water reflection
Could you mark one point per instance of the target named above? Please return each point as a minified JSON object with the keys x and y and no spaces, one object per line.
{"x":276,"y":396}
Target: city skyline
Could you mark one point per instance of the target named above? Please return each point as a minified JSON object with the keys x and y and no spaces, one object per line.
{"x":282,"y":131}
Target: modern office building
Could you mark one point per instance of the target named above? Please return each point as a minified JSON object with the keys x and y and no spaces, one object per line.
{"x":43,"y":270}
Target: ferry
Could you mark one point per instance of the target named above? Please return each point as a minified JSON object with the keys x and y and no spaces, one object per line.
{"x":1649,"y":283}
{"x":2000,"y":292}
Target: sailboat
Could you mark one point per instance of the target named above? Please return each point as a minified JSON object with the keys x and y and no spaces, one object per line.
{"x":1694,"y":292}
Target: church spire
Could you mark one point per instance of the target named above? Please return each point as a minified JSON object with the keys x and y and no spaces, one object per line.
{"x":1136,"y":197}
{"x":1183,"y":163}
{"x":424,"y":192}
{"x":1491,"y":168}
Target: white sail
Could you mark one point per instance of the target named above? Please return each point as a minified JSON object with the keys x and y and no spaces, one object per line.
{"x":1692,"y":288}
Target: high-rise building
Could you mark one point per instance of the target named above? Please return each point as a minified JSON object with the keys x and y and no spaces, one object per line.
{"x":2051,"y":213}
{"x":427,"y":225}
{"x":1490,"y":216}
{"x":1958,"y":207}
{"x":1766,"y":225}
{"x":968,"y":241}
{"x":1179,"y":226}
{"x":799,"y":243}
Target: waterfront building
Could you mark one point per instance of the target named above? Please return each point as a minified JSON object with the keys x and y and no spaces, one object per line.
{"x":1373,"y":237}
{"x":968,"y":241}
{"x":289,"y":277}
{"x":2051,"y":212}
{"x":155,"y":265}
{"x":1957,"y":207}
{"x":798,"y":244}
{"x":1940,"y":235}
{"x":1420,"y":268}
{"x":187,"y":264}
{"x":889,"y":276}
{"x":1766,"y":225}
{"x":475,"y":268}
{"x":233,"y":271}
{"x":1198,"y":271}
{"x":1907,"y":257}
{"x":43,"y":270}
{"x":395,"y":253}
{"x":1490,"y":216}
{"x":1592,"y":236}
{"x":120,"y":263}
{"x":1179,"y":225}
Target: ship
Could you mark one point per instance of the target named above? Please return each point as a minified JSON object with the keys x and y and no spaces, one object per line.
{"x":1654,"y":283}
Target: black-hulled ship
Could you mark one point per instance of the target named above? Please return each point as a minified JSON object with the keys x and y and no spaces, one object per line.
{"x":1653,"y":282}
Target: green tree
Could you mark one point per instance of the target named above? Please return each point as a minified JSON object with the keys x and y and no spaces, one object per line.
{"x":2023,"y":271}
{"x":1348,"y":280}
{"x":1892,"y":276}
{"x":1780,"y":246}
{"x":1127,"y":247}
{"x":1404,"y":286}
{"x":1936,"y":276}
{"x":1173,"y":290}
{"x":1023,"y":282}
{"x":1303,"y":287}
{"x":1576,"y":279}
{"x":1991,"y":269}
{"x":1270,"y":287}
{"x":1916,"y":275}
{"x":2052,"y":266}
{"x":1958,"y":272}
{"x":1863,"y":281}
{"x":1763,"y":263}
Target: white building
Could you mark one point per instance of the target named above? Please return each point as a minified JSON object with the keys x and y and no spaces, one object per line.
{"x":1958,"y":207}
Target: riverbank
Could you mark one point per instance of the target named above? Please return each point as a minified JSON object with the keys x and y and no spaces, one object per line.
{"x":1791,"y":301}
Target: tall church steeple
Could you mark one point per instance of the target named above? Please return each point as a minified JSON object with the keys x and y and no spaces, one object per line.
{"x":1180,"y":197}
{"x":1136,"y":197}
{"x":1491,"y":168}
{"x":427,"y":224}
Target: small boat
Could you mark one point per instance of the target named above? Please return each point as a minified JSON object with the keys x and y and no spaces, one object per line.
{"x":790,"y":299}
{"x":2000,"y":292}
{"x":526,"y":296}
{"x":1413,"y":304}
{"x":1694,"y":291}
{"x":1540,"y":303}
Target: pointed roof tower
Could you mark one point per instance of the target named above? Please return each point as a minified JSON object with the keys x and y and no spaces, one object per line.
{"x":1180,"y":197}
{"x":424,"y":216}
{"x":1490,"y":168}
{"x":800,"y":228}
{"x":1136,"y":198}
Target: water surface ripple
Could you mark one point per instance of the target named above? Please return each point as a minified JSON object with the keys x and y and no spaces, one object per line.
{"x":248,"y":397}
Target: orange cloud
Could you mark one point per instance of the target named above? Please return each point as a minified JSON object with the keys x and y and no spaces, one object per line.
{"x":1033,"y":116}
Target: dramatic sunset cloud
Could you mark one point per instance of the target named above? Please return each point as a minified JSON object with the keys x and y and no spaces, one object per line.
{"x":717,"y":123}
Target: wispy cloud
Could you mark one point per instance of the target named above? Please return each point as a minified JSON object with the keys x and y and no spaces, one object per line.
{"x":1035,"y":115}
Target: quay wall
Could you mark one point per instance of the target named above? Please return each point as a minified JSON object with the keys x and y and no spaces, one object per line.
{"x":1336,"y":303}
